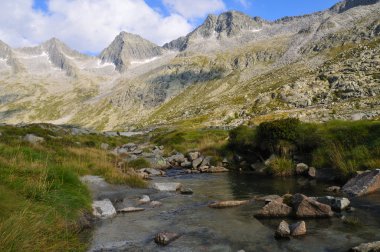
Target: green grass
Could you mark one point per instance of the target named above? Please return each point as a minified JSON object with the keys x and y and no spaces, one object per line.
{"x":208,"y":141}
{"x":281,"y":167}
{"x":41,"y":196}
{"x":344,"y":146}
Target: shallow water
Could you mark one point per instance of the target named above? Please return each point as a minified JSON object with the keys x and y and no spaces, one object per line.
{"x":206,"y":229}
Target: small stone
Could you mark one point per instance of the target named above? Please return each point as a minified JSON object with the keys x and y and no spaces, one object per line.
{"x":144,"y":199}
{"x":167,"y":187}
{"x":217,"y":169}
{"x":230,"y":203}
{"x":312,"y":172}
{"x":334,"y":189}
{"x":187,"y":191}
{"x":164,"y":238}
{"x":155,"y":204}
{"x":283,"y":231}
{"x":298,"y":229}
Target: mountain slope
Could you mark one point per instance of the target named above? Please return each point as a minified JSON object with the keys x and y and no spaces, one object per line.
{"x":232,"y":69}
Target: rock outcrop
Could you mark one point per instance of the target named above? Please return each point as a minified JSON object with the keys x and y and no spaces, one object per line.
{"x":362,"y":184}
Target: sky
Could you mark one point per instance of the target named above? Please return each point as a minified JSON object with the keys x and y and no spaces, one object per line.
{"x":90,"y":25}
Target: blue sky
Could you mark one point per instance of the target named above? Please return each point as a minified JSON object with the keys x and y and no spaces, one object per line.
{"x":91,"y":25}
{"x":267,"y":9}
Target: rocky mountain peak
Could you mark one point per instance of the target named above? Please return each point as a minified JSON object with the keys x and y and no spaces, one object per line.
{"x":228,"y":24}
{"x":128,"y":47}
{"x":349,"y":4}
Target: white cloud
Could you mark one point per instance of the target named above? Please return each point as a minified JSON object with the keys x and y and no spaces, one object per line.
{"x":244,"y":3}
{"x":86,"y":25}
{"x":194,"y":8}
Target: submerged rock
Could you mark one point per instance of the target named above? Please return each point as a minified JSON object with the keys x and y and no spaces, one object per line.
{"x":229,"y":203}
{"x":364,"y":183}
{"x":164,"y":238}
{"x":274,"y":209}
{"x":187,"y":191}
{"x":103,"y":209}
{"x":367,"y":247}
{"x":167,"y":187}
{"x":155,"y":204}
{"x":298,"y":229}
{"x":130,"y":210}
{"x":283,"y":231}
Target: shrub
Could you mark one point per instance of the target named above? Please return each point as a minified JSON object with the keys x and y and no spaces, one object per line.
{"x":281,"y":166}
{"x":270,"y":134}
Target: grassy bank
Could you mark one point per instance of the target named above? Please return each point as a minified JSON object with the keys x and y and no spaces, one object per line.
{"x":43,"y":204}
{"x":344,"y":147}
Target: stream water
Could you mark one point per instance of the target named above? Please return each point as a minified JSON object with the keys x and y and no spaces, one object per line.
{"x":234,"y":229}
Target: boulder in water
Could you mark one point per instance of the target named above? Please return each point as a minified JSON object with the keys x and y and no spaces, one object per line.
{"x":274,"y":209}
{"x":103,"y":209}
{"x":283,"y":231}
{"x":364,"y":183}
{"x":298,"y":229}
{"x":305,"y":207}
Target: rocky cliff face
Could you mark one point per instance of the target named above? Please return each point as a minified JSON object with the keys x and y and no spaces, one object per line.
{"x":232,"y":69}
{"x":127,"y":49}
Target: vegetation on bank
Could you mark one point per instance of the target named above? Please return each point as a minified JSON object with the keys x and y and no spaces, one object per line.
{"x":344,"y":146}
{"x":43,"y":203}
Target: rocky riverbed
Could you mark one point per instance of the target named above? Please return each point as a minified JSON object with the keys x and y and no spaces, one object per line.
{"x":188,"y":222}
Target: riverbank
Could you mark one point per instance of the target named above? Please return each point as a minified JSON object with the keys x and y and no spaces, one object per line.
{"x":44,"y":206}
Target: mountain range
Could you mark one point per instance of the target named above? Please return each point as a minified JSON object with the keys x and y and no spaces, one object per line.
{"x":232,"y":69}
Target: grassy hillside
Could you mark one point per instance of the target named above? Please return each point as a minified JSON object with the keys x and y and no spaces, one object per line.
{"x":43,"y":203}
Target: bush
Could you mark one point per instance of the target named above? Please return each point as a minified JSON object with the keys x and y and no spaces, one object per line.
{"x":272,"y":135}
{"x":281,"y":166}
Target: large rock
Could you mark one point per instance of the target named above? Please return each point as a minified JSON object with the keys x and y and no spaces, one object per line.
{"x":103,"y":209}
{"x":283,"y":230}
{"x":301,"y":169}
{"x":167,"y":187}
{"x":367,"y":247}
{"x":305,"y":207}
{"x":164,"y":238}
{"x":274,"y":209}
{"x":336,"y":203}
{"x":197,"y":162}
{"x":193,"y":155}
{"x":33,"y":139}
{"x":298,"y":229}
{"x":362,"y":184}
{"x":229,"y":203}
